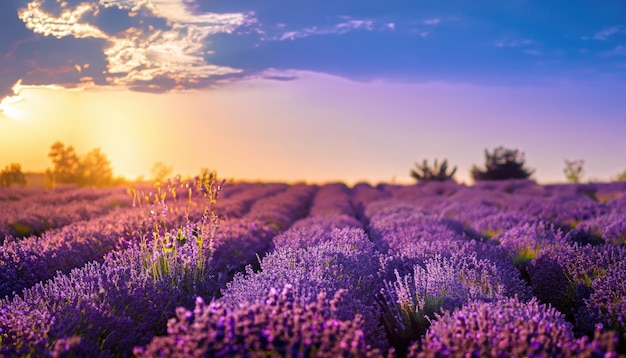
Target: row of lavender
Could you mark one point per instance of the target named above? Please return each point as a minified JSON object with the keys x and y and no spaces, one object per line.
{"x":415,"y":262}
{"x":38,"y":258}
{"x":29,"y":212}
{"x":386,"y":291}
{"x":99,"y":301}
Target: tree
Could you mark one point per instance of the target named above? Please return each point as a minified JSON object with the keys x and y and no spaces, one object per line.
{"x":573,"y":170}
{"x":12,"y":174}
{"x":68,"y":168}
{"x":436,"y":173}
{"x":621,"y":176}
{"x":95,"y":170}
{"x":501,"y":165}
{"x":160,"y":172}
{"x":65,"y":164}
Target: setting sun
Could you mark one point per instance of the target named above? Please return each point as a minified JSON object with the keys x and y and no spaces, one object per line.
{"x":9,"y":108}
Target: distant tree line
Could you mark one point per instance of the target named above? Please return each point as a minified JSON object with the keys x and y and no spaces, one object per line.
{"x":93,"y":169}
{"x":501,"y":164}
{"x":12,"y":174}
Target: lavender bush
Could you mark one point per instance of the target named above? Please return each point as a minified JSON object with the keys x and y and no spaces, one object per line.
{"x":280,"y":325}
{"x":348,"y":260}
{"x":440,"y":283}
{"x":501,"y":328}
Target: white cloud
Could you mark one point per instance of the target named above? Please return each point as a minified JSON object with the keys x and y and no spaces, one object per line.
{"x":176,"y":54}
{"x":140,"y":55}
{"x":341,"y":28}
{"x":532,"y":52}
{"x":176,"y":12}
{"x":67,"y":24}
{"x":617,"y":51}
{"x":435,"y":21}
{"x":521,"y":43}
{"x":608,"y":32}
{"x":354,"y":25}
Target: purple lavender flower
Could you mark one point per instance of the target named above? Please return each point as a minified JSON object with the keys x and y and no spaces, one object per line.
{"x":332,"y":199}
{"x":347,"y":260}
{"x":440,"y":283}
{"x":525,"y":240}
{"x":313,"y":230}
{"x":607,"y":304}
{"x":610,"y":228}
{"x":282,"y":209}
{"x":281,"y":324}
{"x":563,"y":275}
{"x":394,"y":225}
{"x":361,"y":195}
{"x":505,"y":328}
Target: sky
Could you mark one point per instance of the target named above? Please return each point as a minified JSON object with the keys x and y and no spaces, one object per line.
{"x":353,"y":90}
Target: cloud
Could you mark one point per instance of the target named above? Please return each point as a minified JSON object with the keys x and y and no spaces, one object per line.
{"x":176,"y":54}
{"x":164,"y":47}
{"x":606,"y":33}
{"x":175,"y":11}
{"x":435,"y":21}
{"x":617,"y":51}
{"x":68,"y":24}
{"x":532,"y":52}
{"x":347,"y":25}
{"x":505,"y":43}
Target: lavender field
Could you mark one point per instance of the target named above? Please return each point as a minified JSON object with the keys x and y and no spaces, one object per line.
{"x":203,"y":268}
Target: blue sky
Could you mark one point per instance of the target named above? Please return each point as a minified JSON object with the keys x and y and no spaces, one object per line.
{"x":573,"y":50}
{"x":507,"y":43}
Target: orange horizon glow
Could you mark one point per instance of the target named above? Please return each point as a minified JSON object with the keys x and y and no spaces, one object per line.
{"x":317,"y":129}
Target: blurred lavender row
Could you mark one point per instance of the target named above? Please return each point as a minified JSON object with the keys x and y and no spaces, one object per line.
{"x":141,"y":288}
{"x":36,"y":214}
{"x":26,"y":262}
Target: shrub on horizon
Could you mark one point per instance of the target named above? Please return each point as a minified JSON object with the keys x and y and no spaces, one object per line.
{"x":502,"y":164}
{"x":424,"y":173}
{"x":573,"y":170}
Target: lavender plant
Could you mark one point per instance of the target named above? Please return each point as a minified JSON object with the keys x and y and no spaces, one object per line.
{"x":525,"y":240}
{"x":313,"y":230}
{"x":139,"y":286}
{"x":280,"y":325}
{"x":440,"y":283}
{"x":361,"y":195}
{"x":332,"y":199}
{"x":394,"y":225}
{"x":501,"y":328}
{"x":347,"y":260}
{"x":610,"y":227}
{"x":284,"y":208}
{"x":607,"y":303}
